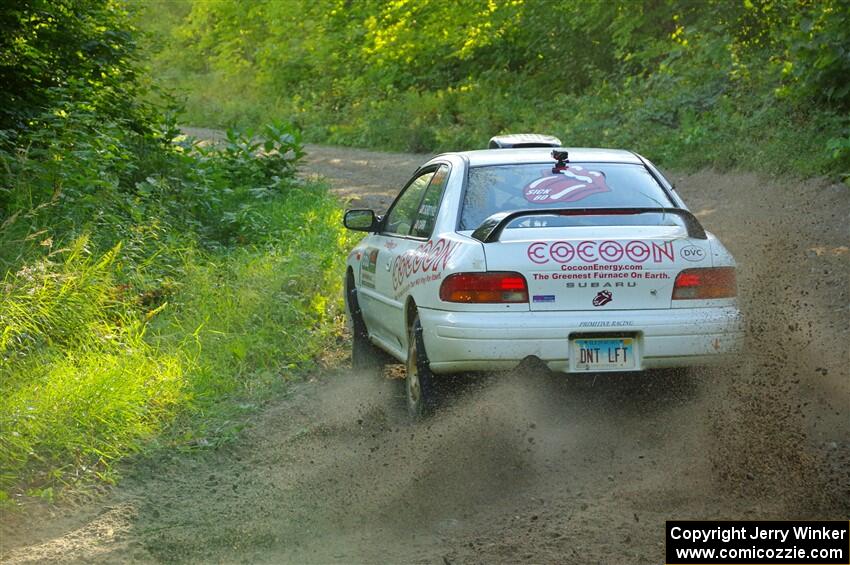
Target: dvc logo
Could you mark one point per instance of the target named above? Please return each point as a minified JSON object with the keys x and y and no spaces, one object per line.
{"x":692,"y":253}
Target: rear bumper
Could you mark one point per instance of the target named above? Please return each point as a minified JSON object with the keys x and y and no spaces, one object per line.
{"x":480,"y":341}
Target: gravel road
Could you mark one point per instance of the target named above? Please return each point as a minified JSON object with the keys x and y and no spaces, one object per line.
{"x":525,"y":466}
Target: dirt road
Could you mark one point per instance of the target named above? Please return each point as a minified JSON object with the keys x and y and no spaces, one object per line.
{"x":521,"y":467}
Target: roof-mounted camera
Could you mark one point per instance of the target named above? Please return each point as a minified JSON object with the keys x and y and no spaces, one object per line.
{"x":562,"y":157}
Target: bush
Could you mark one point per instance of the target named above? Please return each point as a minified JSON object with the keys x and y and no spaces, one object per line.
{"x":101,"y":350}
{"x":147,"y":277}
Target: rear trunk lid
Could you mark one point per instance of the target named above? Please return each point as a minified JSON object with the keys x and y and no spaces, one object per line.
{"x":598,"y":267}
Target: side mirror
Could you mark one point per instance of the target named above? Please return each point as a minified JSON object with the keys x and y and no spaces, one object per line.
{"x":360,"y":220}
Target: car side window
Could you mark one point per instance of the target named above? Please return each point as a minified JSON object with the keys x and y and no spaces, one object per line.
{"x":401,"y":217}
{"x":424,"y":224}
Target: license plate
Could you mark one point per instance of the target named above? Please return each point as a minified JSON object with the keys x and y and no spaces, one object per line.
{"x":600,"y":354}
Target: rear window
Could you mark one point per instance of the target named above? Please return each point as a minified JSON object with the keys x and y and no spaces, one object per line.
{"x":505,"y":188}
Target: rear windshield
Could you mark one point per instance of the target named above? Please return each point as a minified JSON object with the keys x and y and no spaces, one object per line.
{"x":505,"y":188}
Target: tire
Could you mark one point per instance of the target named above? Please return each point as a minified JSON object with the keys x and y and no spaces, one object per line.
{"x":364,"y":354}
{"x":419,"y":383}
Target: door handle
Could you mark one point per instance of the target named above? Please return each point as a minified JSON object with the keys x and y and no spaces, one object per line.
{"x":387,"y":265}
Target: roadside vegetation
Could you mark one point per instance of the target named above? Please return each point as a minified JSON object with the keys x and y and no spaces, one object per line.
{"x":758,"y":85}
{"x":153,"y":287}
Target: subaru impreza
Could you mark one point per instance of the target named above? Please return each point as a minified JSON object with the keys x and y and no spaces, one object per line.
{"x":587,"y":260}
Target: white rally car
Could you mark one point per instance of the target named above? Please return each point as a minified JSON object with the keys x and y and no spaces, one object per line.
{"x":586,"y":259}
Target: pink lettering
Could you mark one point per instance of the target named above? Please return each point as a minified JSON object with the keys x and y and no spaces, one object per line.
{"x":541,"y":252}
{"x":586,"y":251}
{"x":535,"y":253}
{"x":610,"y":251}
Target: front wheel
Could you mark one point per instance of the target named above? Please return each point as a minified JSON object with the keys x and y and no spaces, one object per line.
{"x":419,"y":380}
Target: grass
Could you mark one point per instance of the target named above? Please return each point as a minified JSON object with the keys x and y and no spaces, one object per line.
{"x":92,"y":370}
{"x":147,"y":281}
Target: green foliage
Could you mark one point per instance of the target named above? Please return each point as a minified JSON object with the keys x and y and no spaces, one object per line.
{"x":79,"y":383}
{"x":147,"y":277}
{"x":759,"y":84}
{"x":47,"y":46}
{"x":264,"y":310}
{"x":101,"y":349}
{"x":820,"y":53}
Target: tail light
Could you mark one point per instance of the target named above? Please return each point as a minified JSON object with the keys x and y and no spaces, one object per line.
{"x":716,"y":282}
{"x":484,"y":288}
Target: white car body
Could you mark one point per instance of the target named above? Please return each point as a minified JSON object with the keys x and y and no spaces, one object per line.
{"x":566,"y":269}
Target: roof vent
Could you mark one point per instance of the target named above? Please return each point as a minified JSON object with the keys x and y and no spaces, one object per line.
{"x":519,"y":140}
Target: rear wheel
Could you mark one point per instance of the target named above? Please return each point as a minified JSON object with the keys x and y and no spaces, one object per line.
{"x":364,"y":355}
{"x":420,"y":388}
